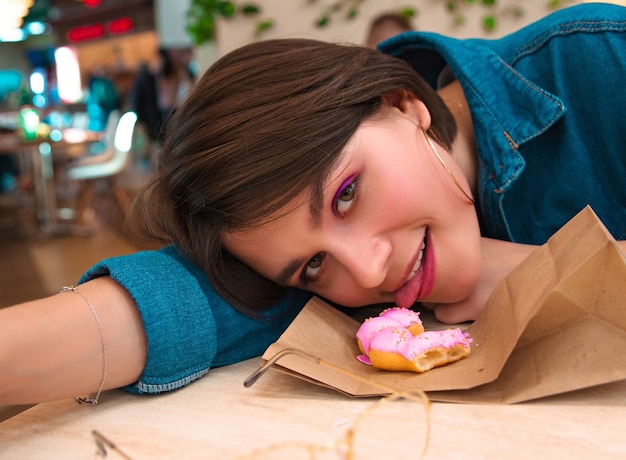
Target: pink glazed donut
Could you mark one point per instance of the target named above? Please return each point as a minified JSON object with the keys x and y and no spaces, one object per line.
{"x":396,"y":341}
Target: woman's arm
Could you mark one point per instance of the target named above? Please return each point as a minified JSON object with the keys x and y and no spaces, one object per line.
{"x":51,"y":348}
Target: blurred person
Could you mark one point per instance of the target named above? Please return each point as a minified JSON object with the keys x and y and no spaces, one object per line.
{"x":156,"y":93}
{"x":384,"y":26}
{"x":102,"y":98}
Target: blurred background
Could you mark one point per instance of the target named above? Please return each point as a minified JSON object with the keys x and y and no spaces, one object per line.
{"x":85,"y":85}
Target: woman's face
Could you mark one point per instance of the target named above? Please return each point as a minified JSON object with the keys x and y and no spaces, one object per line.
{"x":388,"y":226}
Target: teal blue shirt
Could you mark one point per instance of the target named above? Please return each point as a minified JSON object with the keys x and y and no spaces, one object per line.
{"x":548,"y":105}
{"x":189,"y":327}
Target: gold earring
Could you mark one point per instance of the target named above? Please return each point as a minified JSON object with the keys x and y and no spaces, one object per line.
{"x":443,"y":163}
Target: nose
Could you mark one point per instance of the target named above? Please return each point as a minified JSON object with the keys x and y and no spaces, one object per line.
{"x":365,"y":258}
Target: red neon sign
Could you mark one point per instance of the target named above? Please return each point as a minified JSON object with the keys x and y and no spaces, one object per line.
{"x":86,"y":32}
{"x":92,"y":3}
{"x":94,"y":31}
{"x":120,"y":25}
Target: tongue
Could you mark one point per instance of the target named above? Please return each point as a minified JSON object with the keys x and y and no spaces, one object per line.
{"x":406,"y":296}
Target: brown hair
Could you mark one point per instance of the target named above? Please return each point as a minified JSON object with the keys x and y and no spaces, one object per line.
{"x":263,"y":124}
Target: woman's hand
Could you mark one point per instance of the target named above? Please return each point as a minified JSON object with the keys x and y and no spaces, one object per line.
{"x":498,"y":259}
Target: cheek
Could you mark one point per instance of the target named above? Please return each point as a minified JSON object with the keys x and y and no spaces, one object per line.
{"x":458,"y":259}
{"x":409,"y":185}
{"x":347,"y":293}
{"x":399,"y":198}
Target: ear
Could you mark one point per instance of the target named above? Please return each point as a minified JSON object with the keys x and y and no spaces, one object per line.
{"x":412,"y":107}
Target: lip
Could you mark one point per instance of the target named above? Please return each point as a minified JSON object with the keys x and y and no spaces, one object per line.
{"x":421,"y":284}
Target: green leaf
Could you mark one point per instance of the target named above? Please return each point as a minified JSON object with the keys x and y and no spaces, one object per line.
{"x":322,"y":21}
{"x":250,"y":8}
{"x":408,"y":12}
{"x":263,"y":26}
{"x":352,"y":13}
{"x":489,"y":23}
{"x":226,"y":9}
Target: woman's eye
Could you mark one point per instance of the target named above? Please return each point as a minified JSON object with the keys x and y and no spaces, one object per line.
{"x":312,"y":269}
{"x":344,"y":198}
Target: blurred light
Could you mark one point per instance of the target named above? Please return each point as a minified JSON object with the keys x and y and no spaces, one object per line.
{"x":74,"y":135}
{"x":121,"y":25}
{"x":29,"y":123}
{"x":10,"y":22}
{"x":12,"y":35}
{"x":12,"y":13}
{"x":37,"y":28}
{"x":39,"y":100}
{"x":14,"y":9}
{"x":86,"y":32}
{"x":56,"y":135}
{"x":68,"y":75}
{"x":38,"y":81}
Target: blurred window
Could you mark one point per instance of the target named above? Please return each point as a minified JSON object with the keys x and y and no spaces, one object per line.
{"x":68,"y":75}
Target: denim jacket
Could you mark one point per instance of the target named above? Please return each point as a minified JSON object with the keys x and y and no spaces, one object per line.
{"x":548,"y":105}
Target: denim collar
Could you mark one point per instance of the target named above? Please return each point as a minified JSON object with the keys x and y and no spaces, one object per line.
{"x":507,"y":108}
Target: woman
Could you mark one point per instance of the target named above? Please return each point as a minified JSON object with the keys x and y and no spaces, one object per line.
{"x":298,"y":166}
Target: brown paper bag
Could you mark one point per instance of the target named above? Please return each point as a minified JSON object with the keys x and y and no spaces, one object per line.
{"x":557,"y":323}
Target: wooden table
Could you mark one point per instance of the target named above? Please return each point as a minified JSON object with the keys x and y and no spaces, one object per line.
{"x":217,"y":418}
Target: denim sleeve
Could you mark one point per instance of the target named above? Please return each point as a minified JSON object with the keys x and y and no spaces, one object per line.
{"x":189,"y":327}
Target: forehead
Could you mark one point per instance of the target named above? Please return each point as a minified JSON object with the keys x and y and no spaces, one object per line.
{"x":261,"y":247}
{"x":312,"y":198}
{"x":290,"y":223}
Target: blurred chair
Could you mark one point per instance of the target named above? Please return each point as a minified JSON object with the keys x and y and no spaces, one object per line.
{"x":102,"y":149}
{"x":109,"y":164}
{"x":109,"y":130}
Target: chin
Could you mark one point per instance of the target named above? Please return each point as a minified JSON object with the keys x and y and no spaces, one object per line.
{"x":455,"y":291}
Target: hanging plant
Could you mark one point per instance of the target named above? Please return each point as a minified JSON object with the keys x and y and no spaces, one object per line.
{"x":495,"y":10}
{"x":457,"y":9}
{"x":202,"y":16}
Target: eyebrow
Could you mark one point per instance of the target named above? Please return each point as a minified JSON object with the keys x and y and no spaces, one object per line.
{"x":316,"y":206}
